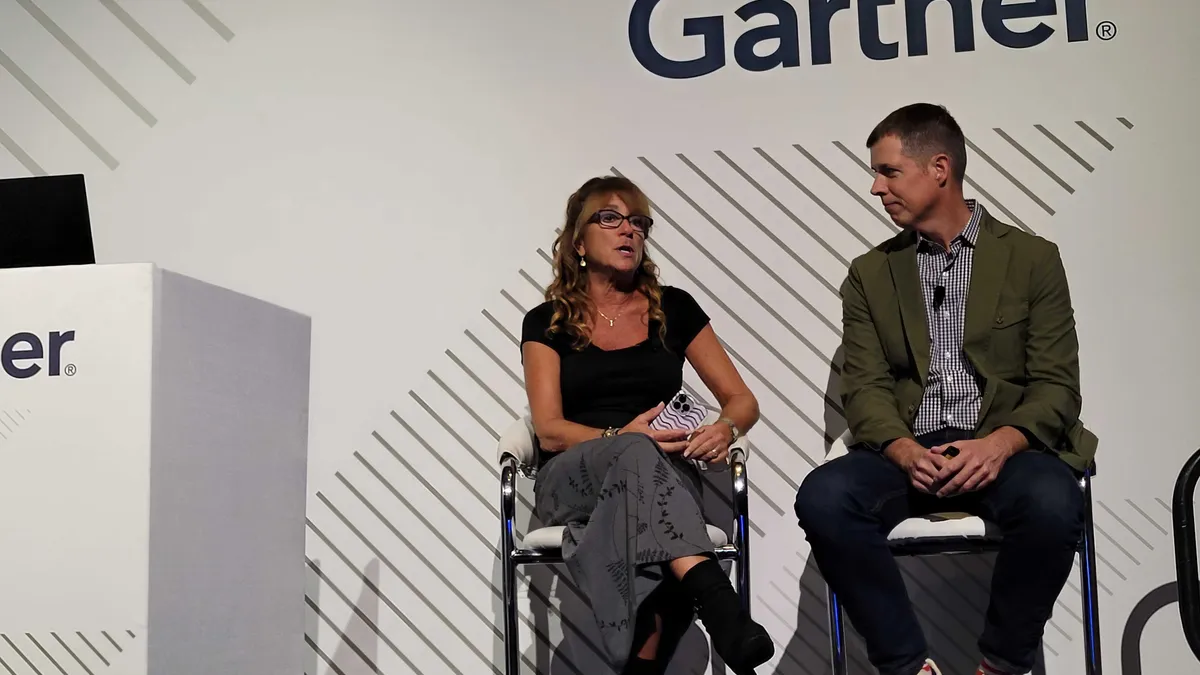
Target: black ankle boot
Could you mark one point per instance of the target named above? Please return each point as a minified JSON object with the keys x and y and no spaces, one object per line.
{"x":639,"y":666}
{"x":740,"y":642}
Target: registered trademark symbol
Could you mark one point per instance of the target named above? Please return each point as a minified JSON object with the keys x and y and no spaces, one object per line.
{"x":1106,"y":30}
{"x":70,"y":369}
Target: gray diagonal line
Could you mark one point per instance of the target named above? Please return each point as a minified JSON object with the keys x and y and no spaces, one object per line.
{"x":1064,"y":147}
{"x":210,"y":19}
{"x":387,"y":601}
{"x":495,"y":358}
{"x":500,"y":327}
{"x":762,"y":494}
{"x":546,"y":256}
{"x":1164,"y":505}
{"x":3,"y":435}
{"x":995,"y":202}
{"x":375,"y":628}
{"x":1127,"y":123}
{"x":1036,"y":162}
{"x":935,"y":598}
{"x":21,"y":654}
{"x":566,"y":621}
{"x":787,"y":287}
{"x":21,"y":156}
{"x":93,"y":648}
{"x":787,"y":652}
{"x":73,"y":654}
{"x":808,"y":193}
{"x":10,"y":670}
{"x":734,"y":315}
{"x":46,"y":653}
{"x":1115,"y":543}
{"x":786,"y":401}
{"x":1111,"y":567}
{"x":147,"y":39}
{"x":512,"y":300}
{"x":446,"y":465}
{"x":757,"y":223}
{"x":1125,"y":524}
{"x":533,"y":282}
{"x":1107,"y":591}
{"x":58,"y":112}
{"x":88,"y":62}
{"x":463,"y":404}
{"x":324,"y":656}
{"x":846,"y":188}
{"x":760,"y":456}
{"x":483,"y":385}
{"x":22,"y":416}
{"x":6,"y":425}
{"x":130,"y":633}
{"x":745,"y":327}
{"x":10,"y":417}
{"x":1147,"y":517}
{"x":346,"y":639}
{"x":436,"y":493}
{"x":492,"y":469}
{"x":404,"y":579}
{"x":821,"y":626}
{"x":1092,"y":132}
{"x":437,"y":532}
{"x":1011,"y":178}
{"x":114,"y":642}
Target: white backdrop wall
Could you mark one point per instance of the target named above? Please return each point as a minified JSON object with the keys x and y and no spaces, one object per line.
{"x":396,"y":169}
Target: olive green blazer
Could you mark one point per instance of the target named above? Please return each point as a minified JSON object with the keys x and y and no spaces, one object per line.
{"x":1019,"y":334}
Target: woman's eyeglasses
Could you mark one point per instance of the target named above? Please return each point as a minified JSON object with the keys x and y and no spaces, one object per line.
{"x":609,"y":220}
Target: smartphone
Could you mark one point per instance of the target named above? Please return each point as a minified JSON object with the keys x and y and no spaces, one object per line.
{"x":682,"y":411}
{"x":950,"y":453}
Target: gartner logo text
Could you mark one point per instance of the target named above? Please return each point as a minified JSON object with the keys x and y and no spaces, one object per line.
{"x":778,"y":42}
{"x":24,"y":355}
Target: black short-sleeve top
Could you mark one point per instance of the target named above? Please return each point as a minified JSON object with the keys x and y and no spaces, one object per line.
{"x":608,"y":388}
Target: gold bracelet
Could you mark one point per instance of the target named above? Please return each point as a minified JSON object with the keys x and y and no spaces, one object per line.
{"x":733,"y":428}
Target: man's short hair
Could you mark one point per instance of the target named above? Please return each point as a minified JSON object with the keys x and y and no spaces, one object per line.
{"x":924,"y":130}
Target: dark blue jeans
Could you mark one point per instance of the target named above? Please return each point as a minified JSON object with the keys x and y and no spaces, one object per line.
{"x":848,"y":506}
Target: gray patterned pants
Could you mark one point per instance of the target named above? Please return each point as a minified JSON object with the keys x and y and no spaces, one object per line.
{"x":628,"y":508}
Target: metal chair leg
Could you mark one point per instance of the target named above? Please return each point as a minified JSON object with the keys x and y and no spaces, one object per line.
{"x":1089,"y":586}
{"x":837,"y":635}
{"x":512,"y":641}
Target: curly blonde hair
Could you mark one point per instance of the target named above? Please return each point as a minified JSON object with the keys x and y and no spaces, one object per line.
{"x":568,"y":290}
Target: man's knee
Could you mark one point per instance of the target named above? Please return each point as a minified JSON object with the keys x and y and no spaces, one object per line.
{"x":1050,"y":505}
{"x":825,"y":497}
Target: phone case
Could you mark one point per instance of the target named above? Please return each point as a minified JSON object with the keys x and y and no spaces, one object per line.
{"x":681,"y":412}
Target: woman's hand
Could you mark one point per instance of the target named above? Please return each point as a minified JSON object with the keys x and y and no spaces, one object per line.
{"x":710,"y":443}
{"x":670,"y":440}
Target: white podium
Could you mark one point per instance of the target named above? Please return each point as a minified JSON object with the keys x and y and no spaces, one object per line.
{"x":153,"y":447}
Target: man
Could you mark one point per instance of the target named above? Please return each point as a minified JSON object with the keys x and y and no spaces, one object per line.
{"x":958,"y":333}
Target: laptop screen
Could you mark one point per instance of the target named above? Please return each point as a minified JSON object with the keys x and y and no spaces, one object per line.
{"x":44,"y":222}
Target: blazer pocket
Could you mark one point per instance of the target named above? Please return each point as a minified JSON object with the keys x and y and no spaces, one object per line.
{"x":1010,"y":315}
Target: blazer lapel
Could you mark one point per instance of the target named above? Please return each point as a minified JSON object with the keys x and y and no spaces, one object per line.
{"x":989,"y":267}
{"x":906,"y":278}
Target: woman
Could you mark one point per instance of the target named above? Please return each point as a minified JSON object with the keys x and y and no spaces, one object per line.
{"x":601,"y":355}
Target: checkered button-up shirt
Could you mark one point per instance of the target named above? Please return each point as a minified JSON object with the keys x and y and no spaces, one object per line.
{"x":953,"y":391}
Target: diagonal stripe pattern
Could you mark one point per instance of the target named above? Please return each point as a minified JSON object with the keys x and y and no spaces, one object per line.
{"x":17,"y":66}
{"x":78,"y":653}
{"x":762,"y":237}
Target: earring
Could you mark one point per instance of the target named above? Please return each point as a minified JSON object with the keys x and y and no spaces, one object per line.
{"x":583,"y":262}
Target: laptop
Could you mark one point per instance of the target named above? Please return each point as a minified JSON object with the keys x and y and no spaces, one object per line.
{"x":44,"y":222}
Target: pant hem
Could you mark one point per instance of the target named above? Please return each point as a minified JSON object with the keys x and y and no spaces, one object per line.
{"x":912,"y":668}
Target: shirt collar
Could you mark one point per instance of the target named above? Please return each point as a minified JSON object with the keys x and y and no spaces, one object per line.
{"x":970,"y":233}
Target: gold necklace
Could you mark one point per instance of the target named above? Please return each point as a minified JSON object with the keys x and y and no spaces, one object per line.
{"x":606,"y":317}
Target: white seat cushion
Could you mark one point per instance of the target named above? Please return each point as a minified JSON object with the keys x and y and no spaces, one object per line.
{"x":944,"y":526}
{"x":551,"y":537}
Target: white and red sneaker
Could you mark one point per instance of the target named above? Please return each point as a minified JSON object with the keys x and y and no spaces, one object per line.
{"x":930,"y":668}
